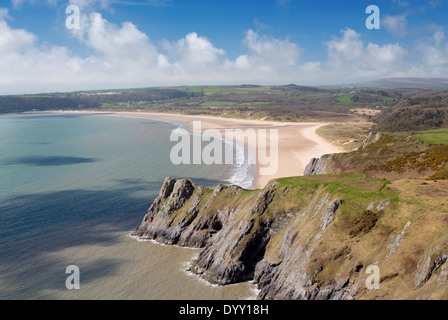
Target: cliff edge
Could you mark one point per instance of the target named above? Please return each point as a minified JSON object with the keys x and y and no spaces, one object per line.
{"x":312,"y":237}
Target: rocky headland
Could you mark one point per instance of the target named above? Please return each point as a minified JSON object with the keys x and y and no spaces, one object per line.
{"x":311,"y":237}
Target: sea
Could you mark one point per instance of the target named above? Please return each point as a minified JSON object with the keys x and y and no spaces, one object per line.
{"x":72,"y":189}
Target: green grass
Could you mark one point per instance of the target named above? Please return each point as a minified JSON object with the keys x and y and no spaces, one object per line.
{"x":345,"y":99}
{"x":356,"y":191}
{"x":257,"y":103}
{"x":218,"y":103}
{"x":437,"y":136}
{"x":379,"y":96}
{"x":208,"y":91}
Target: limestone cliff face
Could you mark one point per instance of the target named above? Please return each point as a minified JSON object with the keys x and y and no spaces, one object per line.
{"x":318,"y":165}
{"x":306,"y":237}
{"x":164,"y":224}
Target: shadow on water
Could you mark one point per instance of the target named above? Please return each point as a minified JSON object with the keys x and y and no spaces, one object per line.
{"x":36,"y":227}
{"x":48,"y":160}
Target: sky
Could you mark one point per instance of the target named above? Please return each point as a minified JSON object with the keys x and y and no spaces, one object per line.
{"x":146,"y":43}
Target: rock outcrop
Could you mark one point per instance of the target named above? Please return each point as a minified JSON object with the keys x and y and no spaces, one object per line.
{"x":318,"y":165}
{"x":303,"y":238}
{"x":164,"y":224}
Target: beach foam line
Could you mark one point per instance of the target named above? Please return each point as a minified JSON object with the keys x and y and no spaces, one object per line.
{"x":138,"y":239}
{"x":244,"y":173}
{"x":185,"y":266}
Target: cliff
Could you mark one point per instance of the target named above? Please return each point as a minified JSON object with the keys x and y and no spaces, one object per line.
{"x":318,"y":165}
{"x":312,"y":237}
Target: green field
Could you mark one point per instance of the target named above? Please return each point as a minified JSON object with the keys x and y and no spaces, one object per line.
{"x":223,"y":90}
{"x":345,"y":99}
{"x":437,"y":136}
{"x":217,"y":103}
{"x":348,"y":99}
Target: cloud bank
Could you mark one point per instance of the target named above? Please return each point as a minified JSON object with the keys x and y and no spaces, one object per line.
{"x":124,"y":56}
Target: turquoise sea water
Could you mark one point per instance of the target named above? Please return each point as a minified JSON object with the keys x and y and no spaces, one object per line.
{"x":72,"y":187}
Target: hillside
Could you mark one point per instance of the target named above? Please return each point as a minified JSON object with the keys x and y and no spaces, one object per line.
{"x":391,"y":156}
{"x":408,"y":83}
{"x":280,"y":103}
{"x":423,"y":111}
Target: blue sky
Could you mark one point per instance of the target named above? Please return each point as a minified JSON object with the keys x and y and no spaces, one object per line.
{"x":139,"y":43}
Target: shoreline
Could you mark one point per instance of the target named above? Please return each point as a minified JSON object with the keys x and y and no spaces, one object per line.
{"x":298,"y":143}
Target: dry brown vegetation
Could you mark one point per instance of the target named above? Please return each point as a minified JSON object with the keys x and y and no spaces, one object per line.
{"x":346,"y":136}
{"x":394,"y":156}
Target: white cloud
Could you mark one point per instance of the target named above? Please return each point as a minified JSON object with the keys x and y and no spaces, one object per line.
{"x":17,"y":3}
{"x":13,"y":40}
{"x":194,"y":51}
{"x":268,"y":54}
{"x":349,"y":58}
{"x":434,"y":53}
{"x":396,"y":25}
{"x":114,"y":41}
{"x":439,"y":36}
{"x":350,"y":51}
{"x":4,"y":14}
{"x":124,"y":56}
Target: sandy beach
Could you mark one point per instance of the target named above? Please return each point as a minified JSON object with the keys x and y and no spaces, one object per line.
{"x":298,"y":143}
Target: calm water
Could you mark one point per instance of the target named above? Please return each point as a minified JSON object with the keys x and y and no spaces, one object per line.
{"x":71,"y":190}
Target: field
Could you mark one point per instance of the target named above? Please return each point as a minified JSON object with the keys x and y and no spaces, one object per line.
{"x":437,"y":136}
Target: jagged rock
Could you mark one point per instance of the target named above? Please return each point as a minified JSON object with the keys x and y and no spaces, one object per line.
{"x":382,"y":205}
{"x":443,"y":276}
{"x":329,"y":212}
{"x":232,"y":254}
{"x":396,"y":243}
{"x":293,"y":278}
{"x":158,"y":222}
{"x":317,"y":165}
{"x":433,"y":260}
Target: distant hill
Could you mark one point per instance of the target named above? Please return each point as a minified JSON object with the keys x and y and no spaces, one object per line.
{"x":425,"y":111}
{"x":420,"y":83}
